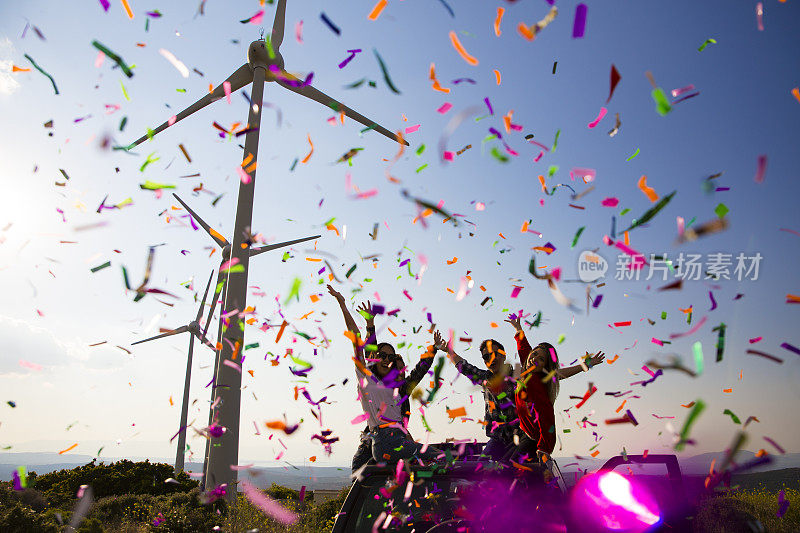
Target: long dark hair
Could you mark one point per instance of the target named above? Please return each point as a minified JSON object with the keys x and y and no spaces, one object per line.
{"x":550,"y":364}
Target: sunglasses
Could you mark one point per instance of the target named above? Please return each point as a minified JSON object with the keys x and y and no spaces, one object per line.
{"x":390,"y":356}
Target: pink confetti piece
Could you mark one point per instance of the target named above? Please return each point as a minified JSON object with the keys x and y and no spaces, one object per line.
{"x":267,"y":505}
{"x":172,"y":120}
{"x":657,"y":341}
{"x":257,"y":18}
{"x":238,"y":468}
{"x":360,"y":418}
{"x":407,"y":295}
{"x":677,"y":92}
{"x":755,"y":340}
{"x":681,"y":225}
{"x":228,"y":264}
{"x":515,"y":291}
{"x":586,"y":174}
{"x":98,"y":61}
{"x":235,"y":366}
{"x":691,"y":331}
{"x":244,"y":176}
{"x":448,"y":156}
{"x":27,"y":364}
{"x":646,"y":369}
{"x":412,"y":129}
{"x":760,"y":16}
{"x":762,"y":169}
{"x":538,"y":157}
{"x":367,"y":194}
{"x":298,"y":32}
{"x":447,"y":106}
{"x":600,"y":116}
{"x":610,"y":202}
{"x":226,"y":86}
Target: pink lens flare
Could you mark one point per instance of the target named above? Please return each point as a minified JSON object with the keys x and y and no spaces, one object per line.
{"x":614,"y":502}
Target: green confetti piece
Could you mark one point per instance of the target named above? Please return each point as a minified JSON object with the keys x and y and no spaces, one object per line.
{"x":662,"y":104}
{"x":153,"y":186}
{"x":423,"y":167}
{"x":251,"y":346}
{"x":706,"y":43}
{"x":329,"y":222}
{"x":732,"y":415}
{"x":101,"y":267}
{"x":663,"y":315}
{"x":270,"y":49}
{"x":721,"y":210}
{"x":124,"y":92}
{"x":567,"y":431}
{"x":624,"y":211}
{"x":115,"y":58}
{"x":697,"y":348}
{"x":180,"y":90}
{"x":697,"y":408}
{"x":385,"y":71}
{"x":437,"y":372}
{"x":500,"y":156}
{"x":653,"y":211}
{"x":23,"y":476}
{"x":294,"y":291}
{"x":561,"y":338}
{"x":634,"y":155}
{"x":294,"y":164}
{"x":352,"y":269}
{"x":720,"y":340}
{"x":577,"y":236}
{"x":300,"y":362}
{"x":421,"y":149}
{"x":150,"y":159}
{"x":40,"y":69}
{"x":551,"y":171}
{"x":122,"y":123}
{"x":555,"y":141}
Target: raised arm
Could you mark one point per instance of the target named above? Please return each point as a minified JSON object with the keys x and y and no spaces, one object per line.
{"x":589,"y":362}
{"x":349,"y":322}
{"x":523,"y":346}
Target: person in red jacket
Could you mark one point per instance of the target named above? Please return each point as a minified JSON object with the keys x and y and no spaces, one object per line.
{"x":537,"y":390}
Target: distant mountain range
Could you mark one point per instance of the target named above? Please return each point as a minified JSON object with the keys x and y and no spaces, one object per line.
{"x":332,"y":477}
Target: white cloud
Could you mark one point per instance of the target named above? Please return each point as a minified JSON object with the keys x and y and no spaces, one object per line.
{"x":8,"y":84}
{"x":39,"y":347}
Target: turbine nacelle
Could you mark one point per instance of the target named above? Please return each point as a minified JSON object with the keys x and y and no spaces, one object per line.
{"x":258,"y":55}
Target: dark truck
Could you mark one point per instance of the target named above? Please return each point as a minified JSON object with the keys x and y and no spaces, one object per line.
{"x":471,"y":495}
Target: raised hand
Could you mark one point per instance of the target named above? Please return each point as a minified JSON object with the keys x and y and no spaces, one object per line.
{"x":596,"y":359}
{"x":336,"y":294}
{"x":514,"y":320}
{"x":438,"y":341}
{"x":365,"y":310}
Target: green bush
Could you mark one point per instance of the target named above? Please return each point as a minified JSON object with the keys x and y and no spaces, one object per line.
{"x":731,"y":512}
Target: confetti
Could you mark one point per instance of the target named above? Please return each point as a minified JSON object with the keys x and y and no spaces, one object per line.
{"x":697,"y":408}
{"x":500,"y":12}
{"x":175,"y":62}
{"x":706,"y":43}
{"x":328,"y":22}
{"x":648,"y":191}
{"x":461,"y":51}
{"x":732,"y":415}
{"x":760,"y":16}
{"x":127,"y":9}
{"x":62,"y":452}
{"x":267,"y":505}
{"x":530,"y":32}
{"x":631,"y":158}
{"x":600,"y":116}
{"x":653,"y":211}
{"x":615,"y":77}
{"x":377,"y":10}
{"x":791,"y":348}
{"x":37,"y":67}
{"x":765,"y":355}
{"x":761,"y":170}
{"x":579,"y":26}
{"x":385,"y":72}
{"x":114,"y":57}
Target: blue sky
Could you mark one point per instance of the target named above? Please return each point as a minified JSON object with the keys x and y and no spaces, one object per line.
{"x":101,"y":396}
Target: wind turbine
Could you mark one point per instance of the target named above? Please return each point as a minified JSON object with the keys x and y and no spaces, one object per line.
{"x":263,"y":64}
{"x":225,"y":249}
{"x":193,"y":328}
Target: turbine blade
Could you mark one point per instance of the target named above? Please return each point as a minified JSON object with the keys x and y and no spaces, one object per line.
{"x":238,"y":79}
{"x":277,"y":26}
{"x":203,"y":302}
{"x":177,"y":331}
{"x":262,"y":249}
{"x":315,"y":94}
{"x":219,"y":239}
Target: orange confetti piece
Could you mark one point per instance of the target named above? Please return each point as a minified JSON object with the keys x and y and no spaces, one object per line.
{"x":621,"y":406}
{"x":314,"y":298}
{"x":728,"y":391}
{"x":331,"y":227}
{"x":306,"y":158}
{"x":364,"y":370}
{"x":525,"y":31}
{"x":376,"y":11}
{"x":541,"y":180}
{"x":497,"y":75}
{"x":313,"y":259}
{"x":392,"y":332}
{"x":524,"y":227}
{"x":648,"y":191}
{"x":460,"y":49}
{"x":501,"y":235}
{"x":594,"y":453}
{"x":62,"y":452}
{"x":493,"y":324}
{"x":436,"y":85}
{"x":170,"y":401}
{"x":15,"y":68}
{"x":127,"y":9}
{"x":627,"y":239}
{"x":453,"y":261}
{"x":611,"y":361}
{"x":500,"y":12}
{"x":251,"y":372}
{"x":313,"y":458}
{"x":507,"y":118}
{"x":688,"y":405}
{"x":458,"y":411}
{"x":795,"y":92}
{"x":792,"y":298}
{"x":280,"y":331}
